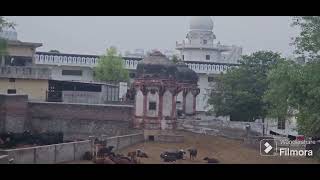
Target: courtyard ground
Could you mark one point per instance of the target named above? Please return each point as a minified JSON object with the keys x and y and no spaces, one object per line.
{"x":227,"y":151}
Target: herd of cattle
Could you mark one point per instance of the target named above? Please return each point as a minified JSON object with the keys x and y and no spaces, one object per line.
{"x":173,"y":155}
{"x":105,"y":155}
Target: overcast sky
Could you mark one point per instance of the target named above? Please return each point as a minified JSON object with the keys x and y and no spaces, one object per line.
{"x":93,"y":34}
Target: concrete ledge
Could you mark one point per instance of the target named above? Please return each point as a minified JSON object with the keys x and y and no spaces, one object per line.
{"x":170,"y":138}
{"x":120,"y":142}
{"x":82,"y":104}
{"x":49,"y":154}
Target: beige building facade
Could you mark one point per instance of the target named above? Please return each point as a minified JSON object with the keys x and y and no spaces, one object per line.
{"x":19,"y":75}
{"x":35,"y":88}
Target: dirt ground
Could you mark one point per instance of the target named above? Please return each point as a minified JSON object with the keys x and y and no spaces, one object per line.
{"x":227,"y":151}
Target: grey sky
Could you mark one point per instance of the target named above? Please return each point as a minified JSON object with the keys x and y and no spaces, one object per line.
{"x":93,"y":34}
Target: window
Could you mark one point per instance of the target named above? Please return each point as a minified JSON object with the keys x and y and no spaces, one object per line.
{"x":72,"y":72}
{"x":210,"y":79}
{"x":204,"y":41}
{"x":12,"y":80}
{"x":281,"y":123}
{"x":207,"y":57}
{"x":152,"y":105}
{"x":12,"y":91}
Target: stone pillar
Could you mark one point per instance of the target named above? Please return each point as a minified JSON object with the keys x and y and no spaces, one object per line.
{"x":160,"y":109}
{"x":184,"y":95}
{"x":195,"y":93}
{"x":194,"y":104}
{"x":174,"y":108}
{"x":145,"y":101}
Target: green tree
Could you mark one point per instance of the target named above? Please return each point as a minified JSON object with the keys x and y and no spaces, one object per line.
{"x":110,"y":67}
{"x":54,"y":51}
{"x":306,"y":95}
{"x":5,"y":23}
{"x":307,"y":99}
{"x":308,"y":41}
{"x":175,"y":59}
{"x":3,"y":43}
{"x":283,"y":83}
{"x":3,"y":47}
{"x":239,"y":92}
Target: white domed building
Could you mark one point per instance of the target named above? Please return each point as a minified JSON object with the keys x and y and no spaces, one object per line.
{"x":205,"y":56}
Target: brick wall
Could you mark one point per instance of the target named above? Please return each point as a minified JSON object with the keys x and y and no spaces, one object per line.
{"x":13,"y":112}
{"x":78,"y":121}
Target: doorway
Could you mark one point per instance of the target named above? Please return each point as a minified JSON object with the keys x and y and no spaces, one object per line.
{"x":151,"y":138}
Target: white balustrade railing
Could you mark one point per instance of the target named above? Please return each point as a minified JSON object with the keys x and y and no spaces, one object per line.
{"x":90,"y":61}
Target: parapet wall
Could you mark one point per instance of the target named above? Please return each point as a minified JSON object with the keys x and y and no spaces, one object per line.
{"x":65,"y":152}
{"x":4,"y":159}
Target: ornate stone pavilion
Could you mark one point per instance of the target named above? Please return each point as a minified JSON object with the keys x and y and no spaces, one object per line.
{"x":156,"y":86}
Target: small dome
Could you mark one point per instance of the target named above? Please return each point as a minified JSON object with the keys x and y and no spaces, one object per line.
{"x":155,"y":65}
{"x":201,"y":23}
{"x":158,"y":66}
{"x":186,"y":75}
{"x":156,"y":57}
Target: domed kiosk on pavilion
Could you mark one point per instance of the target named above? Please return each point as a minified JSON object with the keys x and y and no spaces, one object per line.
{"x":156,"y":86}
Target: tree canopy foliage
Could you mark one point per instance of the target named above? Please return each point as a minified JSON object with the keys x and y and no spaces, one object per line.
{"x":110,"y":67}
{"x":54,"y":51}
{"x":4,"y":24}
{"x":239,"y":92}
{"x":175,"y":59}
{"x":267,"y":85}
{"x":308,"y":41}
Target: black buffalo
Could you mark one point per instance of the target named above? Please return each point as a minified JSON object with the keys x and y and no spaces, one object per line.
{"x":211,"y":160}
{"x":172,"y":155}
{"x":106,"y":151}
{"x":193,"y":153}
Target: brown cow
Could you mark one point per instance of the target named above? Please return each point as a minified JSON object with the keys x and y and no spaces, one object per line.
{"x":141,"y":154}
{"x":132,"y":155}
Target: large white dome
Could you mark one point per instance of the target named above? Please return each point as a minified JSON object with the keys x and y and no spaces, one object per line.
{"x":201,"y":23}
